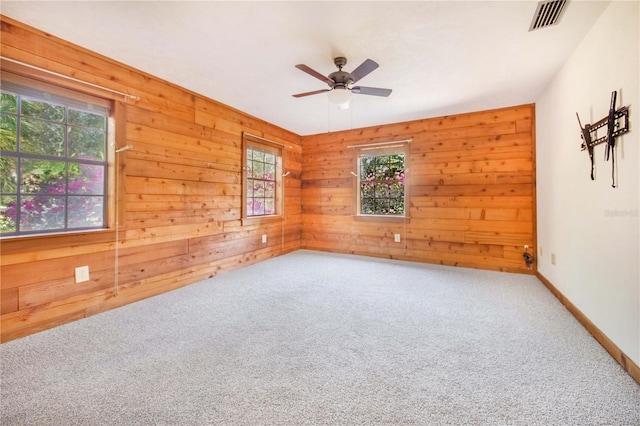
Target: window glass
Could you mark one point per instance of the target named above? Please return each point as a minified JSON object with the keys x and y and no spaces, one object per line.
{"x":382,"y":183}
{"x":53,"y":163}
{"x":261,"y":182}
{"x":262,"y":178}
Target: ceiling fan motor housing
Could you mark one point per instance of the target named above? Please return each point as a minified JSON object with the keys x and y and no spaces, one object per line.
{"x":340,"y":78}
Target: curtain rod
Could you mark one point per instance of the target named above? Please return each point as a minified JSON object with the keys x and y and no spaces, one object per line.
{"x":268,"y":140}
{"x":364,"y":145}
{"x":126,"y":95}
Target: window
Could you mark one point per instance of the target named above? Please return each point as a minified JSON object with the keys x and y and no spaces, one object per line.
{"x":381,"y":182}
{"x":262,"y":178}
{"x":53,"y":165}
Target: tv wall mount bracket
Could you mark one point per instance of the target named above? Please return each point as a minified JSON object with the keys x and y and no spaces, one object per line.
{"x":616,"y":124}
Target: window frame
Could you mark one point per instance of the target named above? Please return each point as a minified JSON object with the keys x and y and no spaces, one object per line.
{"x":115,"y":165}
{"x":379,"y":150}
{"x":277,"y":149}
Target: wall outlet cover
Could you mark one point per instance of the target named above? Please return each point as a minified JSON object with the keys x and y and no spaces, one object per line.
{"x":82,"y":274}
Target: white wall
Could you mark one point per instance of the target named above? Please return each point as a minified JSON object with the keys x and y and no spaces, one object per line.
{"x":592,"y":228}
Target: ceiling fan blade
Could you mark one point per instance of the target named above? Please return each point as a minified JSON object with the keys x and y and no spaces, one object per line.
{"x":375,"y":91}
{"x":315,"y":92}
{"x":314,"y":73}
{"x":363,"y":70}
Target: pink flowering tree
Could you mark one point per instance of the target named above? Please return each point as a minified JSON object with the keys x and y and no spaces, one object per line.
{"x":261,"y":183}
{"x":382,"y":181}
{"x":52,"y":171}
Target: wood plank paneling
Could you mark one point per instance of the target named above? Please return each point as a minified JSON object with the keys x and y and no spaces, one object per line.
{"x":470,"y":183}
{"x":180,"y":187}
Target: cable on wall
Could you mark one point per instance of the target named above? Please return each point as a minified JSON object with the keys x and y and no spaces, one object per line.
{"x":116,"y":274}
{"x":283,"y":175}
{"x":284,"y":212}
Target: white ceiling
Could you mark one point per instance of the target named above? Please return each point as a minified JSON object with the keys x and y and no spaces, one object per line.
{"x":439,"y":57}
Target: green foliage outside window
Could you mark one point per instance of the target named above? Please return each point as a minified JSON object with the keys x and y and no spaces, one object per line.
{"x":382,"y":185}
{"x":261,"y":182}
{"x":52,"y":166}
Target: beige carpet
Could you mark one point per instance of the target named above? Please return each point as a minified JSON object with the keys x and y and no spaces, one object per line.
{"x":323,"y":339}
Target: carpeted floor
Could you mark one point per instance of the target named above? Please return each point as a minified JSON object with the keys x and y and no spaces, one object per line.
{"x":322,"y":339}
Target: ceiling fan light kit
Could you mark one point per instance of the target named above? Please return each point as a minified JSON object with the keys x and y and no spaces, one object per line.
{"x":339,"y":96}
{"x":340,"y":82}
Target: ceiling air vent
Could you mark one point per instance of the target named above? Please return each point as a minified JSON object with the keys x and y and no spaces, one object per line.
{"x":547,"y":14}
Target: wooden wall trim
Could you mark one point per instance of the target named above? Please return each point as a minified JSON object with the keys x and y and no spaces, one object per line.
{"x":534,"y":194}
{"x":621,"y":358}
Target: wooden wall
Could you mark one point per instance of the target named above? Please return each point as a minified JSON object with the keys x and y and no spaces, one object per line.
{"x":471,"y":183}
{"x":179,"y":198}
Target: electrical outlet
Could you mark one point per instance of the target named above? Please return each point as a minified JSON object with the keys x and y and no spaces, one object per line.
{"x":553,"y":258}
{"x":264,"y":238}
{"x":82,"y":274}
{"x":396,"y":238}
{"x":540,"y":251}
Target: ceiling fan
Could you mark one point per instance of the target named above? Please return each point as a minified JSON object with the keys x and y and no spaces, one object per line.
{"x":340,"y":82}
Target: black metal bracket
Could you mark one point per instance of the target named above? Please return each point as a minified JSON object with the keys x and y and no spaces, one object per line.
{"x":617,"y":124}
